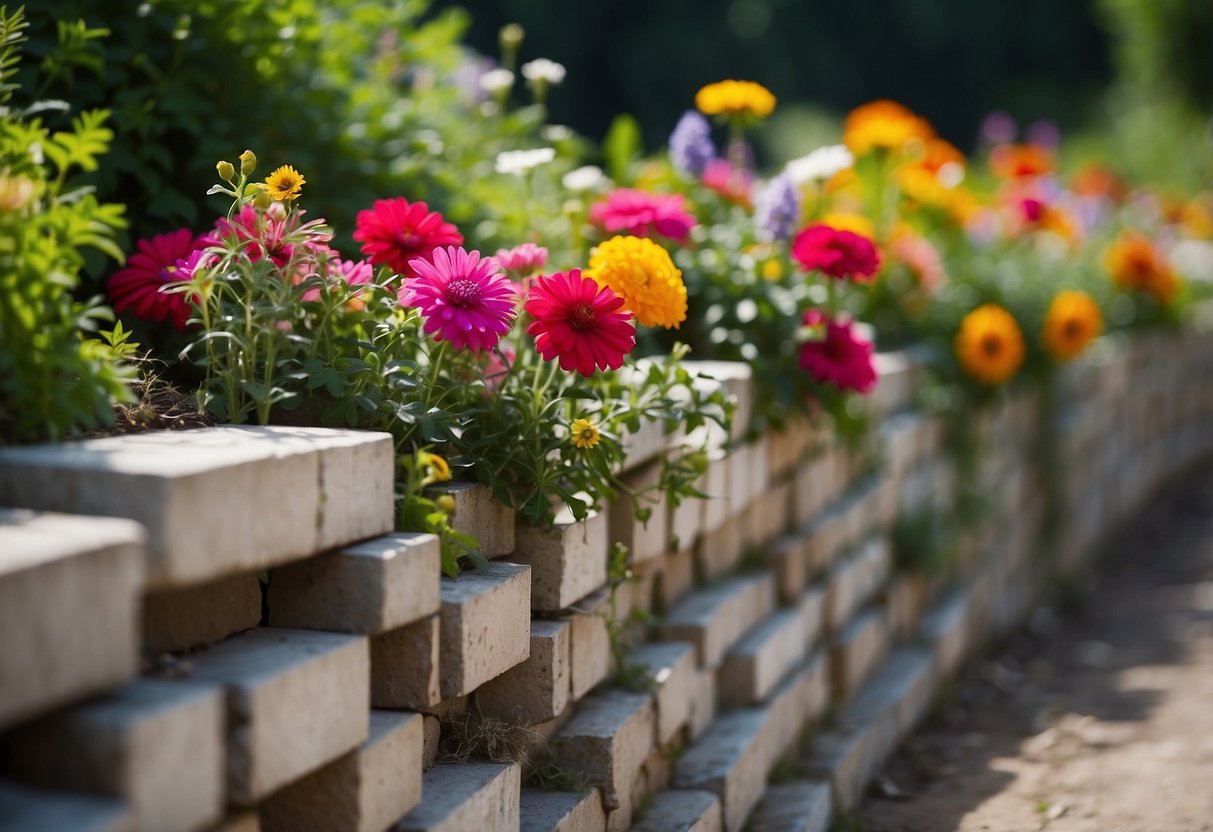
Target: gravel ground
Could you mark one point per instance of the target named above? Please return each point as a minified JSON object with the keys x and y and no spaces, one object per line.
{"x":1095,"y":719}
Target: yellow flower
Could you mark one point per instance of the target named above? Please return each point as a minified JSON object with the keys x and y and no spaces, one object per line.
{"x":1136,"y":264}
{"x":440,"y":470}
{"x":847,"y":221}
{"x":248,"y":162}
{"x":989,"y":344}
{"x":735,"y":98}
{"x":1072,"y":322}
{"x":772,"y":270}
{"x":584,"y":433}
{"x":642,"y":273}
{"x":884,"y":125}
{"x":285,"y":183}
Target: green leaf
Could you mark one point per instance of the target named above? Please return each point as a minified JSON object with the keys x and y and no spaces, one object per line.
{"x":621,"y":146}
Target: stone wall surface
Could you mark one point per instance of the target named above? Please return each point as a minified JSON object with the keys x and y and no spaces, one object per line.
{"x":251,"y":646}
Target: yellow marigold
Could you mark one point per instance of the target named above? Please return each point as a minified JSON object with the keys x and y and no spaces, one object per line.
{"x":989,"y":344}
{"x":642,"y":273}
{"x":285,"y":183}
{"x":584,"y":433}
{"x":1136,"y":265}
{"x":884,"y":125}
{"x":735,"y":98}
{"x":772,"y":270}
{"x":1072,"y":322}
{"x":848,"y":221}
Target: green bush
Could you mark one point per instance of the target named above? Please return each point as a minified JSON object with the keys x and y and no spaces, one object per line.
{"x":54,"y":378}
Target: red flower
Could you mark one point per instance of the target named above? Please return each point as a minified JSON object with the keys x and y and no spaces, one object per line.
{"x":836,"y":253}
{"x":579,"y":321}
{"x":163,"y":260}
{"x":842,"y":358}
{"x":643,"y":214}
{"x":395,"y":231}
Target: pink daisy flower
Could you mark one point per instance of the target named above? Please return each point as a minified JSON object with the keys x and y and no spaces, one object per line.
{"x":395,"y":231}
{"x":836,"y":253}
{"x":842,"y":358}
{"x":464,"y":299}
{"x":160,"y":261}
{"x":643,"y":214}
{"x":579,"y":322}
{"x":522,"y":260}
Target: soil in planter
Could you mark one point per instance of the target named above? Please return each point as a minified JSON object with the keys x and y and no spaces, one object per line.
{"x":160,"y":407}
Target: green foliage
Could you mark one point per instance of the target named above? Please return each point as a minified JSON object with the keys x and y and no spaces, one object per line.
{"x":1164,"y":48}
{"x":55,"y":378}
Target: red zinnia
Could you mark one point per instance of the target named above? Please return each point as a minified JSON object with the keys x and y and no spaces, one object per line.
{"x":160,"y":261}
{"x":579,"y":321}
{"x":643,"y":214}
{"x":395,"y":231}
{"x":836,"y":253}
{"x":842,"y":358}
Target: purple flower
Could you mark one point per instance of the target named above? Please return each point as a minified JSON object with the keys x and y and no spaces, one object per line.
{"x":998,"y":128}
{"x":691,"y":145}
{"x":1044,"y":133}
{"x":464,"y":299}
{"x":777,"y":212}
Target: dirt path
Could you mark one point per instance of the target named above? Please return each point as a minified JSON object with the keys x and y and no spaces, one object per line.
{"x":1095,"y":720}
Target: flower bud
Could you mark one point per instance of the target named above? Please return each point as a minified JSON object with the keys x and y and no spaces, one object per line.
{"x":226,"y":172}
{"x":276,"y":212}
{"x":261,"y":197}
{"x":511,"y":36}
{"x":447,"y":503}
{"x":248,"y":162}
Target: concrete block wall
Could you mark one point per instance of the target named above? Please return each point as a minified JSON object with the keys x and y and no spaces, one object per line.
{"x":251,"y":646}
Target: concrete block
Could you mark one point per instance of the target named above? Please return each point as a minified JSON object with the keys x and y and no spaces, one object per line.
{"x":591,"y":660}
{"x":811,"y":488}
{"x":671,"y":666}
{"x":904,"y":600}
{"x":486,"y":625}
{"x":296,"y":700}
{"x":644,"y":538}
{"x":432,"y":734}
{"x":246,"y":821}
{"x":562,"y":811}
{"x":789,"y":445}
{"x":158,"y":746}
{"x":476,"y":796}
{"x":181,"y":619}
{"x":857,"y":650}
{"x":677,"y":578}
{"x":63,"y":638}
{"x":568,"y":562}
{"x":718,"y":486}
{"x":735,"y":380}
{"x":730,"y":760}
{"x":479,"y":514}
{"x":537,"y":689}
{"x":769,"y":513}
{"x":786,"y":559}
{"x":608,"y":738}
{"x":899,"y":694}
{"x":679,"y":810}
{"x":370,"y":587}
{"x":216,"y":501}
{"x":946,"y":627}
{"x":754,"y":666}
{"x":685,"y":521}
{"x":798,"y":806}
{"x":825,"y":537}
{"x":643,"y":444}
{"x":855,"y":580}
{"x":702,"y":709}
{"x":715,"y":618}
{"x":404,"y":666}
{"x":23,"y":809}
{"x":366,"y":790}
{"x":719,"y":552}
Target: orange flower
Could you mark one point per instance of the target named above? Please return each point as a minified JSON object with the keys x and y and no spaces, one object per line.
{"x":989,"y":344}
{"x":1095,"y":180}
{"x":884,"y":125}
{"x":735,"y":98}
{"x":1072,"y":322}
{"x":1017,"y":161}
{"x":1136,"y":265}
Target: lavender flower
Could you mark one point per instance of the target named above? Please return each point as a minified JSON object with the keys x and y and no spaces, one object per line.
{"x":691,"y":145}
{"x":777,"y":212}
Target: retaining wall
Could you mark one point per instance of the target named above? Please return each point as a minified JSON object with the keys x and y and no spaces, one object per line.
{"x":254,"y":648}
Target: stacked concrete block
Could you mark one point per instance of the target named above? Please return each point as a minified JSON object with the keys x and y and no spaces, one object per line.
{"x":568,"y":562}
{"x":69,"y":608}
{"x":25,"y":809}
{"x":562,"y":811}
{"x":681,"y":810}
{"x":477,"y":513}
{"x":196,"y":616}
{"x":296,"y":700}
{"x":536,"y":690}
{"x":607,"y":740}
{"x":670,"y":672}
{"x":265,"y":495}
{"x":485,"y":626}
{"x":714,"y":619}
{"x":591,"y":659}
{"x":479,"y":796}
{"x":158,"y":746}
{"x":730,"y":761}
{"x":366,"y":790}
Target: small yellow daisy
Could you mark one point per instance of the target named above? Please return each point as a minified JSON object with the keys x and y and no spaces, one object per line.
{"x":584,"y":433}
{"x":285,"y":183}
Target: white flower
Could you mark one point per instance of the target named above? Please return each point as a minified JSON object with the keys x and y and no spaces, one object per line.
{"x":821,"y":164}
{"x":519,"y":162}
{"x":543,"y":70}
{"x":496,"y":80}
{"x":583,"y":179}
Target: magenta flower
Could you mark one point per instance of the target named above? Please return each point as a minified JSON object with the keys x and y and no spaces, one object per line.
{"x":841,"y":358}
{"x":394,"y":231}
{"x":643,"y":214}
{"x":579,"y":322}
{"x":464,"y":299}
{"x":159,"y":261}
{"x":839,"y":254}
{"x":348,"y":272}
{"x":522,"y":260}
